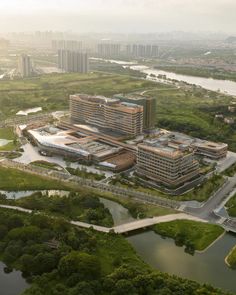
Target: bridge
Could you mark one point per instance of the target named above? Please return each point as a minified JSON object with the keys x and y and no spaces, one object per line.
{"x":123,"y":228}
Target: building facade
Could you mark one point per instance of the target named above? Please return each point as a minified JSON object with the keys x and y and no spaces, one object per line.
{"x":73,"y":61}
{"x":108,"y":113}
{"x":149,"y":108}
{"x":166,"y":163}
{"x":25,"y":66}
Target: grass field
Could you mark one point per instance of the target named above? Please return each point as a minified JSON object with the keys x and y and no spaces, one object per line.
{"x":231,"y":206}
{"x":8,"y":134}
{"x":51,"y":92}
{"x":14,"y":180}
{"x":199,"y":235}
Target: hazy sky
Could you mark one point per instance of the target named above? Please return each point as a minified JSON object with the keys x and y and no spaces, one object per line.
{"x":118,"y":15}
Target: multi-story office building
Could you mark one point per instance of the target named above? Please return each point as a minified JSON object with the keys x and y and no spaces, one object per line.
{"x":25,"y":65}
{"x":149,"y":108}
{"x":166,"y":163}
{"x":73,"y":61}
{"x":108,"y":113}
{"x":108,"y":50}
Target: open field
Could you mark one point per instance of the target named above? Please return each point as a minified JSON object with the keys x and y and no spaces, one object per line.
{"x":194,"y":235}
{"x":51,"y":91}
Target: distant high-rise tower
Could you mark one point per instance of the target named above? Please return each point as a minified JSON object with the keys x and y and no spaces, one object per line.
{"x":25,"y":66}
{"x":73,"y":61}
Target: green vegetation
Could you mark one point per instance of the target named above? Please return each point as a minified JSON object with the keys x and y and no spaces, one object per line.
{"x":51,"y":91}
{"x":82,"y":206}
{"x":85,"y":174}
{"x":231,"y":258}
{"x":231,"y":206}
{"x":194,"y":235}
{"x":14,"y":180}
{"x":231,"y":170}
{"x":8,"y":134}
{"x":139,"y":210}
{"x":200,"y":193}
{"x":58,"y":259}
{"x":204,"y":191}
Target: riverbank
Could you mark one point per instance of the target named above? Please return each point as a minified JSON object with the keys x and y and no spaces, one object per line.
{"x":199,"y":72}
{"x":230,"y":259}
{"x":193,"y":235}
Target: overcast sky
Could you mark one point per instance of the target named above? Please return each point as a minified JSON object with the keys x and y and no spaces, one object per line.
{"x":118,"y":15}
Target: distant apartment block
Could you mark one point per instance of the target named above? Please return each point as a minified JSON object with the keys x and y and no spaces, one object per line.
{"x":73,"y":61}
{"x":73,"y":45}
{"x":108,"y":50}
{"x":142,"y":50}
{"x":166,"y":163}
{"x":125,"y":118}
{"x":149,"y":107}
{"x":25,"y":65}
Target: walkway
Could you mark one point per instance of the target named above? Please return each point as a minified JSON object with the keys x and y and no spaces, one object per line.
{"x":124,"y":228}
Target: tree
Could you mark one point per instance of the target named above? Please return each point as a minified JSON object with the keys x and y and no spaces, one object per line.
{"x":14,"y":221}
{"x":44,"y":262}
{"x":3,"y":231}
{"x":124,"y":287}
{"x":85,"y":264}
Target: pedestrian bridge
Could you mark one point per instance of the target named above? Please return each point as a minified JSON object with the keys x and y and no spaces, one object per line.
{"x":138,"y":224}
{"x":123,"y":228}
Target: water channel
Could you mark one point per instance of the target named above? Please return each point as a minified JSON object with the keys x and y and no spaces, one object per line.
{"x":164,"y":255}
{"x":224,"y":86}
{"x":160,"y":253}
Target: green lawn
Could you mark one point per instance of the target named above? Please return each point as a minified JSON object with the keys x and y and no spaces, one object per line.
{"x":231,"y":258}
{"x":14,"y":180}
{"x":231,"y":206}
{"x":192,"y":234}
{"x":8,"y":134}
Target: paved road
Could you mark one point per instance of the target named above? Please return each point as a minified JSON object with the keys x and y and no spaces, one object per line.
{"x":206,"y":211}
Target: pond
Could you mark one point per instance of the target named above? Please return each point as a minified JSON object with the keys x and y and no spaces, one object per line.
{"x":12,"y":283}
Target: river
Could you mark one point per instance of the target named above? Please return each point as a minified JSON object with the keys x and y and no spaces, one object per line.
{"x":225,"y":86}
{"x":164,"y":255}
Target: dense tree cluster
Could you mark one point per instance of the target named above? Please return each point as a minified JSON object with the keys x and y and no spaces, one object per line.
{"x":58,"y":259}
{"x":80,"y":206}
